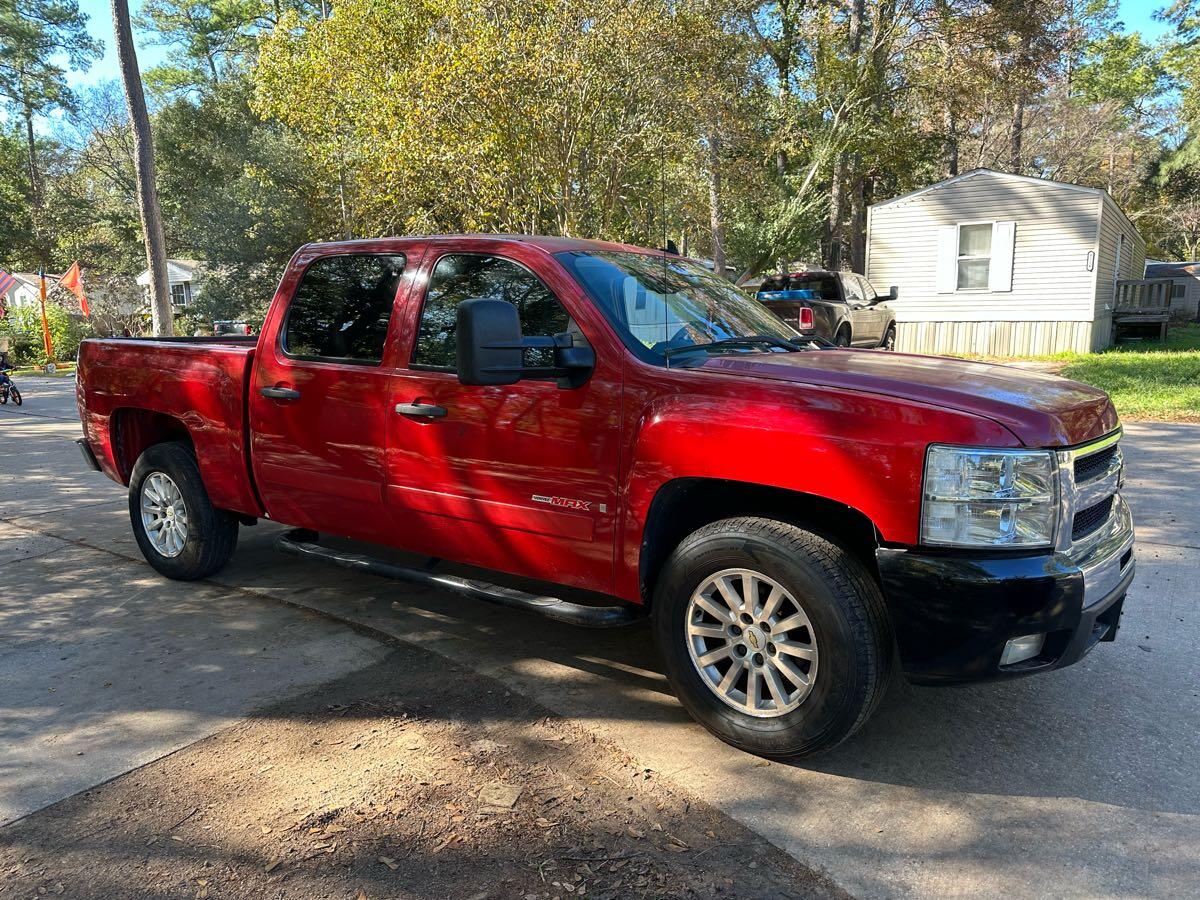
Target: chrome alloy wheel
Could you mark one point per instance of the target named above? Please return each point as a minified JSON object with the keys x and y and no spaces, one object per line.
{"x":164,"y":515}
{"x":751,"y":642}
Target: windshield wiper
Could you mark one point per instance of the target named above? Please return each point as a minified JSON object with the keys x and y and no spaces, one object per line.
{"x":754,"y":340}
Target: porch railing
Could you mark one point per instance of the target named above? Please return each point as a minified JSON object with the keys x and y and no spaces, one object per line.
{"x":1144,"y":294}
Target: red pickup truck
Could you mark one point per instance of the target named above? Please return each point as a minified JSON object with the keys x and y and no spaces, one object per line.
{"x":797,"y":519}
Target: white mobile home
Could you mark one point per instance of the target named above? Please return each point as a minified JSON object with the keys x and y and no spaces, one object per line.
{"x":1004,"y":265}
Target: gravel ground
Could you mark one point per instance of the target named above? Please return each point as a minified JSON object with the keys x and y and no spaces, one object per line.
{"x":412,"y":778}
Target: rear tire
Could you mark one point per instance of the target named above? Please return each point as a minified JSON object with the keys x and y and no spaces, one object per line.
{"x":842,"y":339}
{"x":845,"y":630}
{"x":176,"y":526}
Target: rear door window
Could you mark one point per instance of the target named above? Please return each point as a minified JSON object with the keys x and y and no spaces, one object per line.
{"x":342,"y":307}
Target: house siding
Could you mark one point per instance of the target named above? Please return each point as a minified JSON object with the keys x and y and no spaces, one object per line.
{"x":1052,"y":304}
{"x":1109,"y":269}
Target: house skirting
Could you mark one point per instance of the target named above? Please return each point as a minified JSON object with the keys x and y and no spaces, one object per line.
{"x":1000,"y":338}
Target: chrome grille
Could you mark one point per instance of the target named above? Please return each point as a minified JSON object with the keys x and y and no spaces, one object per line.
{"x":1093,"y":465}
{"x":1088,"y":520}
{"x":1090,"y":477}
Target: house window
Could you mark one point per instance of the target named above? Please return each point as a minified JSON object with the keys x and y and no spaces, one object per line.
{"x":181,"y":293}
{"x":974,"y":256}
{"x":1177,"y":291}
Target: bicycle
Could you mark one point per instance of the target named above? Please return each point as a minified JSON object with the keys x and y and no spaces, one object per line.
{"x":8,"y":390}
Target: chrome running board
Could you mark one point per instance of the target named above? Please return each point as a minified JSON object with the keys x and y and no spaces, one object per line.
{"x":302,"y":542}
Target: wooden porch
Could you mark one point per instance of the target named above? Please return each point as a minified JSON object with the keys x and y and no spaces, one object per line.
{"x":1142,"y":305}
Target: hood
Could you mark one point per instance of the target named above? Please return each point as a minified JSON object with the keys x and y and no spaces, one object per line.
{"x":1041,"y":410}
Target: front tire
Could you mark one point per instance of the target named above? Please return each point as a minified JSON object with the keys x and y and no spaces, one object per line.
{"x":889,"y":339}
{"x":176,"y":526}
{"x":774,"y":638}
{"x":16,"y":395}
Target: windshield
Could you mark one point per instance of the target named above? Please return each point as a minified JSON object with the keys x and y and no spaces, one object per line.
{"x":664,"y":304}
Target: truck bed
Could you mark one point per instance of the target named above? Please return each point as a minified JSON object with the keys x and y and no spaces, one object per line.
{"x":133,"y":392}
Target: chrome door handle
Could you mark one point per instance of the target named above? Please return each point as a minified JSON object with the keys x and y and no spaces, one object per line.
{"x":279,"y":393}
{"x":421,"y":410}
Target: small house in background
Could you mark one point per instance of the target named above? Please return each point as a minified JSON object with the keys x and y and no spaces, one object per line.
{"x":1185,"y":286}
{"x":183,"y":276}
{"x":25,"y":290}
{"x":1003,"y":265}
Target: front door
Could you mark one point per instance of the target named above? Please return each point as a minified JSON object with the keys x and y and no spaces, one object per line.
{"x":319,"y":401}
{"x":519,"y":478}
{"x":863,"y":318}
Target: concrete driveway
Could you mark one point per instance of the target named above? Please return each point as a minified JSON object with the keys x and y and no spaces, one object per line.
{"x":1078,"y":783}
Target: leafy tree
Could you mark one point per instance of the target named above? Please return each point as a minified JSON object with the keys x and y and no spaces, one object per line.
{"x":34,"y":36}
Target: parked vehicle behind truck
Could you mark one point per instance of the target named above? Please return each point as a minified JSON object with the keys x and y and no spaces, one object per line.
{"x":841,"y":307}
{"x":797,"y":520}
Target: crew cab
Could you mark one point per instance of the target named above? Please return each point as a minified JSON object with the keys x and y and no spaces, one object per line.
{"x":798,"y":520}
{"x":840,"y":307}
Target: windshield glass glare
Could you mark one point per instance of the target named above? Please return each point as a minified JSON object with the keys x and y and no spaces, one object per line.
{"x":662,"y":303}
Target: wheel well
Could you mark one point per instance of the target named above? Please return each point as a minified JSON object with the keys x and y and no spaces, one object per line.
{"x":845,"y":326}
{"x":686,"y":504}
{"x":135,"y":430}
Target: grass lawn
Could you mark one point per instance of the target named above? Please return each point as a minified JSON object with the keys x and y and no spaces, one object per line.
{"x":1146,"y":379}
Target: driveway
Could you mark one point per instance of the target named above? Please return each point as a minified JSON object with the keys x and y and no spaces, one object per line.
{"x":1077,"y":783}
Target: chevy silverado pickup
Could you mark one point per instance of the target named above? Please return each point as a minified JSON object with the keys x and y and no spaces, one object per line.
{"x":798,"y":520}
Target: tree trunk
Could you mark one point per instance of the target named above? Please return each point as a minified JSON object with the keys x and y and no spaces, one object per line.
{"x":716,"y":221}
{"x":35,"y":187}
{"x":35,"y":180}
{"x":1018,"y":128}
{"x":951,"y":140}
{"x":833,"y":225}
{"x":858,"y":222}
{"x":143,"y":157}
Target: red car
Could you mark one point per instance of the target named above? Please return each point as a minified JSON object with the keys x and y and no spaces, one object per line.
{"x":798,"y":520}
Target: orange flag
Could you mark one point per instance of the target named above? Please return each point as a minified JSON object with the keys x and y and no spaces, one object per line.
{"x":73,"y":282}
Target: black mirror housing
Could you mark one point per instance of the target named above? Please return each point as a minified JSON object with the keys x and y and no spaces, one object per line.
{"x":893,"y":292}
{"x":488,"y":342}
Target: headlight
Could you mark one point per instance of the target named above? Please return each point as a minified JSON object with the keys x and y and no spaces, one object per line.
{"x":989,"y":498}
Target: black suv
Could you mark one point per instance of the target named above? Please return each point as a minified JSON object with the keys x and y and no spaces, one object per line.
{"x":841,"y":307}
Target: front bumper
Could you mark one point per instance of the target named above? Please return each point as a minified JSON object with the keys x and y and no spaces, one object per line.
{"x":953,"y":612}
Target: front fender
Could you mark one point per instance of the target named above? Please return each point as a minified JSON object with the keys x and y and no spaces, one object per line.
{"x":861,"y":450}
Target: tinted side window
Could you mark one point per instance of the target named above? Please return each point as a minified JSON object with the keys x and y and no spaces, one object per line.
{"x":854,"y":293}
{"x":462,"y":276}
{"x":342,"y":307}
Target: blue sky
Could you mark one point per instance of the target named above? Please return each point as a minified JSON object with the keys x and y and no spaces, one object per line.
{"x":100,"y":25}
{"x":1137,"y":15}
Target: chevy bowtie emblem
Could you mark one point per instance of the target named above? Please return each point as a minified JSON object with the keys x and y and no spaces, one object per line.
{"x":752,"y":639}
{"x":564,"y":502}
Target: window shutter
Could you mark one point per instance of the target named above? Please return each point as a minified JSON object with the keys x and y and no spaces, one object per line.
{"x":1001,"y":270}
{"x":947,"y":259}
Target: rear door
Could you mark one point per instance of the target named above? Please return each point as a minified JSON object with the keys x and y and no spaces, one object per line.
{"x":319,"y":397}
{"x":518,"y":478}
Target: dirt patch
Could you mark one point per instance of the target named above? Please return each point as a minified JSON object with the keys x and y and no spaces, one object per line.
{"x":412,"y":778}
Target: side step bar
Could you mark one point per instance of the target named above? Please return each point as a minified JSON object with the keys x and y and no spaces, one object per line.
{"x":302,"y":542}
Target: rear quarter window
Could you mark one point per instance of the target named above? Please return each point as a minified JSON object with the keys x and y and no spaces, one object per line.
{"x":342,"y":308}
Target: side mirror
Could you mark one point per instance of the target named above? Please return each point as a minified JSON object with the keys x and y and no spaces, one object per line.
{"x":489,"y":348}
{"x":488,"y":342}
{"x":893,"y":292}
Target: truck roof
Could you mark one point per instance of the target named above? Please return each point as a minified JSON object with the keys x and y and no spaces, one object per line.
{"x":545,"y":242}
